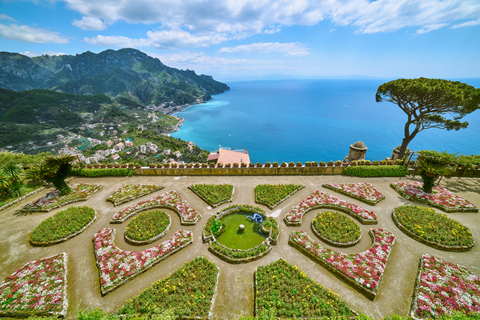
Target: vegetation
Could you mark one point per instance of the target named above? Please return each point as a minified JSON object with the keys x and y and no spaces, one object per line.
{"x":56,"y":169}
{"x":175,"y":292}
{"x":434,"y":227}
{"x":376,"y":171}
{"x":427,"y":101}
{"x":213,"y":194}
{"x":62,"y":225}
{"x":291,"y":294}
{"x":234,"y":239}
{"x":433,"y":165}
{"x":337,"y":227}
{"x":272,"y":195}
{"x":102,"y":172}
{"x":147,"y":225}
{"x":233,"y":254}
{"x":128,"y":192}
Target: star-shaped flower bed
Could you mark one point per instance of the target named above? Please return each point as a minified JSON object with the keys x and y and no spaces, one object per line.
{"x":287,"y":290}
{"x":443,"y":288}
{"x":322,"y":200}
{"x":272,"y":195}
{"x":117,"y":267}
{"x":37,"y":288}
{"x":189,"y":292}
{"x":129,"y":192}
{"x":53,"y":200}
{"x":362,"y":191}
{"x":441,"y":198}
{"x":169,"y":200}
{"x":363,"y":270}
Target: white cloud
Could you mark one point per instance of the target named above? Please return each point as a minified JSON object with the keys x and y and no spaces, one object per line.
{"x":117,"y":41}
{"x":5,"y":17}
{"x":28,"y":34}
{"x":171,"y":39}
{"x":291,"y":49}
{"x":431,"y":27}
{"x":90,"y":23}
{"x":467,"y":24}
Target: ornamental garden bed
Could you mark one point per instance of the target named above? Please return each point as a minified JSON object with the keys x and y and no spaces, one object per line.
{"x":116,"y":267}
{"x":12,"y":201}
{"x":363,"y":270}
{"x":272,"y":195}
{"x":169,"y":200}
{"x":226,"y":240}
{"x":336,"y":229}
{"x":175,"y":293}
{"x":440,"y":198}
{"x":443,"y":288}
{"x":129,"y":192}
{"x":362,"y":191}
{"x":147,"y":227}
{"x":291,"y":294}
{"x":39,"y":288}
{"x":53,"y":200}
{"x":322,"y":200}
{"x":214,"y":194}
{"x":63,"y":226}
{"x":432,"y":228}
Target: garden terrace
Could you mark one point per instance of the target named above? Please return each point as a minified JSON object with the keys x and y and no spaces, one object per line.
{"x":235,"y":294}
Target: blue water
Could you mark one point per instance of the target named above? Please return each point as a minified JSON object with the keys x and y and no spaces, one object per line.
{"x":313,"y":120}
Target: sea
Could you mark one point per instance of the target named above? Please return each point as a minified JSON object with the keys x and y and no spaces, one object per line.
{"x":313,"y":120}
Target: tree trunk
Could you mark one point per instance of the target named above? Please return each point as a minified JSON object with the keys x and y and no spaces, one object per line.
{"x":403,"y":148}
{"x":428,"y":182}
{"x":62,"y":186}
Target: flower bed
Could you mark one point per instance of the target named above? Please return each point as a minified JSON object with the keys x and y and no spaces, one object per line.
{"x":239,"y":255}
{"x":272,"y":195}
{"x":441,"y":198}
{"x":148,"y":227}
{"x":362,"y":191}
{"x":189,"y":291}
{"x":336,"y":229}
{"x":129,"y":192}
{"x":443,"y":288}
{"x":363,"y":270}
{"x":433,"y":229}
{"x":214,"y":194}
{"x":62,"y":226}
{"x":116,"y":266}
{"x":322,"y":200}
{"x":12,"y":201}
{"x":53,"y":200}
{"x":37,"y":288}
{"x":169,"y":200}
{"x":287,"y":290}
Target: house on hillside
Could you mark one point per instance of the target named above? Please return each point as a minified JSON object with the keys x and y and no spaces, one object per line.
{"x":225,"y":156}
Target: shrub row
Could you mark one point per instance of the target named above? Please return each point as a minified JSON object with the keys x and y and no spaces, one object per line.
{"x":102,"y":172}
{"x":376,"y":171}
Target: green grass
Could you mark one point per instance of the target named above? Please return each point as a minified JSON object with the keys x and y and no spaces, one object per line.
{"x":188,"y":291}
{"x":62,"y":224}
{"x":286,"y":289}
{"x":247,"y":239}
{"x":336,"y":227}
{"x":147,"y":225}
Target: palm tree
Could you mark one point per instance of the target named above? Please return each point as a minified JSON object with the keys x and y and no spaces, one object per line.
{"x":433,"y":165}
{"x":56,"y":169}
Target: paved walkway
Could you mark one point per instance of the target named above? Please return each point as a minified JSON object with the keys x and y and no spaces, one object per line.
{"x":235,"y":290}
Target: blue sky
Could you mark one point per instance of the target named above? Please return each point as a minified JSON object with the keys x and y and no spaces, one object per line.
{"x":250,"y":39}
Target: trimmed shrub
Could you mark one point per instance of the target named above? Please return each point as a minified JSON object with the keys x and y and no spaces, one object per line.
{"x":102,"y":172}
{"x":376,"y":171}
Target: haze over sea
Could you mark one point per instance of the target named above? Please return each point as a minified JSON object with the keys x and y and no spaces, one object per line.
{"x":313,"y":120}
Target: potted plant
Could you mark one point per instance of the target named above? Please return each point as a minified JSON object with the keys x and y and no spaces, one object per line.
{"x":152,"y":165}
{"x":251,"y":165}
{"x":314,"y":164}
{"x":204,"y":165}
{"x":235,"y":165}
{"x":259,"y":165}
{"x":173,"y":165}
{"x":181,"y":165}
{"x":166,"y":165}
{"x":138,"y":166}
{"x":291,"y":164}
{"x":267,"y":165}
{"x":308,"y":164}
{"x":243,"y":165}
{"x":338,"y":163}
{"x":299,"y":164}
{"x":284,"y":164}
{"x":189,"y":165}
{"x":330,"y":163}
{"x":375,"y":163}
{"x":382,"y":162}
{"x":196,"y":165}
{"x":367,"y":162}
{"x":103,"y":166}
{"x":322,"y":164}
{"x":354,"y":163}
{"x":275,"y":164}
{"x":389,"y":162}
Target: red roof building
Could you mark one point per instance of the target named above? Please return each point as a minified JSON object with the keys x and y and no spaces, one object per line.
{"x":229,"y":156}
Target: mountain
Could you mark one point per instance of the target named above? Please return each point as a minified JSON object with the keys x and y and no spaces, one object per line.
{"x":125,"y":73}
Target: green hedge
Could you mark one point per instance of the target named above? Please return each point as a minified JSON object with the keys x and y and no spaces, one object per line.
{"x":376,"y":171}
{"x":102,"y":172}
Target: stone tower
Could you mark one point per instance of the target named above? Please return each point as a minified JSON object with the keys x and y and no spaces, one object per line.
{"x":357,"y":152}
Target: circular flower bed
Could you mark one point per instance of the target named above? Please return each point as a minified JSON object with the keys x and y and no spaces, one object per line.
{"x":148,"y":227}
{"x":336,"y":229}
{"x":432,"y":228}
{"x":214,"y":228}
{"x":62,"y":226}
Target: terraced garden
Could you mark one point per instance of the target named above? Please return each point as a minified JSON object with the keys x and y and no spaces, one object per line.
{"x":177,"y":272}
